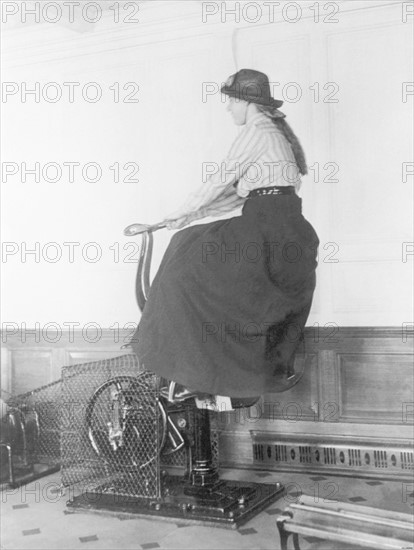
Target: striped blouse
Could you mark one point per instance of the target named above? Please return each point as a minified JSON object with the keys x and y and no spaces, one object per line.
{"x":261,"y":156}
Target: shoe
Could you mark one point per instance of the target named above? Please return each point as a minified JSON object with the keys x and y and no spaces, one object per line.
{"x":176,"y":393}
{"x":182,"y":394}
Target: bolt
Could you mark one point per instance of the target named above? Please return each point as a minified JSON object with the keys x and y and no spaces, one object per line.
{"x":182,"y":423}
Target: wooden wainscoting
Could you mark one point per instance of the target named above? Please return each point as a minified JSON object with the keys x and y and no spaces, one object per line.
{"x":34,"y":358}
{"x":357,"y":390}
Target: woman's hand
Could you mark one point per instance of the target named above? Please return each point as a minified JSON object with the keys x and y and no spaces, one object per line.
{"x":179,"y":220}
{"x":177,"y":223}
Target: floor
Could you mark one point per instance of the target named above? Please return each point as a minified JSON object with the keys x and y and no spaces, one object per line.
{"x":35,"y":517}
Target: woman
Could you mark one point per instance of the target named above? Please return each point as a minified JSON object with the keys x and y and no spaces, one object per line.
{"x":226,"y":310}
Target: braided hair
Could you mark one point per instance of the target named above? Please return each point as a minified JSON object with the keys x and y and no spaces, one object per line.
{"x":278,"y":119}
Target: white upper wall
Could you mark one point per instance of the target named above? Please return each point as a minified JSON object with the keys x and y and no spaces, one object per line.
{"x":362,"y":219}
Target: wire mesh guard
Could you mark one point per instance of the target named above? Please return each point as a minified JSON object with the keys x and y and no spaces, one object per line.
{"x":31,"y":434}
{"x":113,"y":427}
{"x":103,"y":424}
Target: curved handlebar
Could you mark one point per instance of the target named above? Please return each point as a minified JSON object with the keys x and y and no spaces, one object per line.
{"x":142,"y":283}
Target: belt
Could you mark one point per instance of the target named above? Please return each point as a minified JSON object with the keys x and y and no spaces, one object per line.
{"x":275,"y":190}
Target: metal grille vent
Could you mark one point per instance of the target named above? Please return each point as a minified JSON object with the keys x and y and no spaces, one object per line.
{"x":280,"y":453}
{"x":354,"y":457}
{"x":305,"y":455}
{"x":258,"y":452}
{"x":309,"y":454}
{"x":329,"y":455}
{"x":407,"y":460}
{"x":380,"y":459}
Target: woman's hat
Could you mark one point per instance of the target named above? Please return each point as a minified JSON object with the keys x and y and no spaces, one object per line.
{"x":252,"y":86}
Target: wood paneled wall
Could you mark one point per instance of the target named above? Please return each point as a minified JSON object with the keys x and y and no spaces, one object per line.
{"x":358,"y":384}
{"x":358,"y":387}
{"x":33,"y":359}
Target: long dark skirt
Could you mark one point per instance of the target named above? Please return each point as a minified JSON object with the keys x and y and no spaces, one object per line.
{"x":227,"y":308}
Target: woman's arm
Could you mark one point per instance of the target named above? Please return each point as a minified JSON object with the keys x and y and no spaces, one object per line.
{"x":228,"y":201}
{"x":218,"y":194}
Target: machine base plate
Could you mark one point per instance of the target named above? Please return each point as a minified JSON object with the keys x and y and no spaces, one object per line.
{"x":228,"y":504}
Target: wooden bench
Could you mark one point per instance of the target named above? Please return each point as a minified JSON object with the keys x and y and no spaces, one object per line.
{"x":345,"y":523}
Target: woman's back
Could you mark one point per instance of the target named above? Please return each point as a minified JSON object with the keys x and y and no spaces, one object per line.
{"x":272,"y":161}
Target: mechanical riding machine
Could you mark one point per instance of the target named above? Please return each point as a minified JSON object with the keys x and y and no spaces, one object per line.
{"x":134,"y":450}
